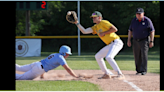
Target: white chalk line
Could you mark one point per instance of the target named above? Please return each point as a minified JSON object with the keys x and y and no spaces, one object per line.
{"x":130,"y":83}
{"x":133,"y":85}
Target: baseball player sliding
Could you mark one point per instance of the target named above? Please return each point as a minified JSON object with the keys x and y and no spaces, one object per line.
{"x":52,"y":61}
{"x":106,"y":31}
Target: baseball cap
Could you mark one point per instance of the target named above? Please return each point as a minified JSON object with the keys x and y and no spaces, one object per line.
{"x":139,"y":10}
{"x":96,"y":14}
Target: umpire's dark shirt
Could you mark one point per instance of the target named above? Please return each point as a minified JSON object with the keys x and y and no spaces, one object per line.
{"x":141,"y":29}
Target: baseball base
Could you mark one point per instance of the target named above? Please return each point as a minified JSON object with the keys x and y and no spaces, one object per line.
{"x":61,"y":75}
{"x":86,"y":76}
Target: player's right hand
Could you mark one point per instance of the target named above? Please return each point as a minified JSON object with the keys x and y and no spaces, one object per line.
{"x":101,"y":34}
{"x":129,"y":43}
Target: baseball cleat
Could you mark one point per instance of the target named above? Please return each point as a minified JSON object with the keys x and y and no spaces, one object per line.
{"x":137,"y":73}
{"x":105,"y":76}
{"x":143,"y":73}
{"x":120,"y":77}
{"x":113,"y":76}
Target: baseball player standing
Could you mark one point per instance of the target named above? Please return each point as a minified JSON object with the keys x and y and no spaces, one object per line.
{"x":52,"y":61}
{"x":106,"y":31}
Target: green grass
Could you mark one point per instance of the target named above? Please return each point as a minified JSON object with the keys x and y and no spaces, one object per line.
{"x":86,"y":61}
{"x":55,"y":86}
{"x":125,"y":61}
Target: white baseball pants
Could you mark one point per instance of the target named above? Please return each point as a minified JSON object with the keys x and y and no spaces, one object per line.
{"x":109,"y":52}
{"x":32,"y":71}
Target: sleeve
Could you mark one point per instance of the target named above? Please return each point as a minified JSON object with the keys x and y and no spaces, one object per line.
{"x":94,"y":29}
{"x":151,"y":27}
{"x":62,"y":61}
{"x":130,"y":27}
{"x":107,"y":24}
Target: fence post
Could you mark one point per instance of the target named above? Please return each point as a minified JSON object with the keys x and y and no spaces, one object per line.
{"x":78,"y":3}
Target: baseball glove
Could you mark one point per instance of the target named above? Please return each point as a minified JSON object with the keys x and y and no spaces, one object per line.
{"x":72,"y":18}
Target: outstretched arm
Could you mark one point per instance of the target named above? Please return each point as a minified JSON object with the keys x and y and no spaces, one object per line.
{"x":69,"y":70}
{"x":82,"y":29}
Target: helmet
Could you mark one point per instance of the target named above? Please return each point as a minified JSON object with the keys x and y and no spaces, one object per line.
{"x":65,"y":49}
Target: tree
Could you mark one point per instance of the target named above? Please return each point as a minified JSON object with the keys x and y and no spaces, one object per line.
{"x":52,"y":22}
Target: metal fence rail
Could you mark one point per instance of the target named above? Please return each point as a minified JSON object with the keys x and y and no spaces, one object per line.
{"x":88,"y":36}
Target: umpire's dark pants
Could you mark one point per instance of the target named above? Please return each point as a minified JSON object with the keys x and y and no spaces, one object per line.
{"x":140,"y":51}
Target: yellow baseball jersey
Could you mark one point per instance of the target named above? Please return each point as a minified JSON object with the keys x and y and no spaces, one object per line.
{"x":103,"y":26}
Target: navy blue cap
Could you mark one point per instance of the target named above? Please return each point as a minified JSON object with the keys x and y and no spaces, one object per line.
{"x":139,"y":10}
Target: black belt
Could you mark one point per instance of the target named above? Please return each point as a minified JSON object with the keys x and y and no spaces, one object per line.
{"x":141,"y":39}
{"x":112,"y":41}
{"x":42,"y":66}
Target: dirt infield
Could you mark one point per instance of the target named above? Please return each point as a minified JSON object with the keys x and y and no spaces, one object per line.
{"x":148,"y":82}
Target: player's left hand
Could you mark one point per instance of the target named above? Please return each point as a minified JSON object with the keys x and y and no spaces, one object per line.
{"x":77,"y":77}
{"x":102,"y":34}
{"x":151,"y":44}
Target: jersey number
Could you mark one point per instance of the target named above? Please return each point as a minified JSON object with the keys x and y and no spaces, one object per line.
{"x":50,"y":56}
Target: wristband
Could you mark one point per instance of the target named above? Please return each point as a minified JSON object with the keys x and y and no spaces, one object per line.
{"x":77,"y":24}
{"x":151,"y":41}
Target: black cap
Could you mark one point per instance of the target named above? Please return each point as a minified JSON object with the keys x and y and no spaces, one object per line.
{"x":139,"y":10}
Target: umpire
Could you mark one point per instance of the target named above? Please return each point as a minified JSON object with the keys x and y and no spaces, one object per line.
{"x":142,"y":29}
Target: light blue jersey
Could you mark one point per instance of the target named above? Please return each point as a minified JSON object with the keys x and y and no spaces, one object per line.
{"x":53,"y":61}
